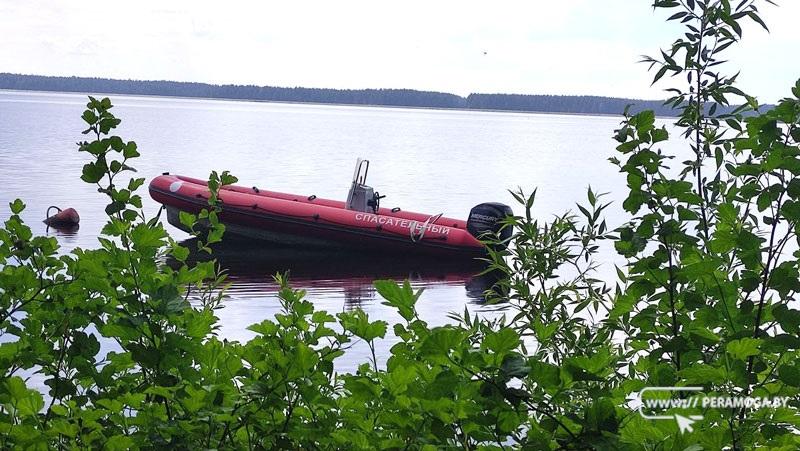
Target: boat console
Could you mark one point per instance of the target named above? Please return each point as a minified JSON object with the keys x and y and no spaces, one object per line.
{"x":362,"y":197}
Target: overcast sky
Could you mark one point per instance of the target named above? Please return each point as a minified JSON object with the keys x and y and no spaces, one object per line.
{"x":529,"y":47}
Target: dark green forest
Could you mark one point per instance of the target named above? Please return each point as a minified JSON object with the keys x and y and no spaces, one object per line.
{"x":384,"y":97}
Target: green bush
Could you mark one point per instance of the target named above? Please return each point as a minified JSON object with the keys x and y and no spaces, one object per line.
{"x":705,"y":300}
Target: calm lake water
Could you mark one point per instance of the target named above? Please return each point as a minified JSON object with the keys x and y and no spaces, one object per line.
{"x":430,"y":161}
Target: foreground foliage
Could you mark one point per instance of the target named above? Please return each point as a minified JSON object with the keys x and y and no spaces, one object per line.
{"x":706,"y":300}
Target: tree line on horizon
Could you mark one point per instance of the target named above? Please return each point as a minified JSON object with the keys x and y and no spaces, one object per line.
{"x":384,"y":97}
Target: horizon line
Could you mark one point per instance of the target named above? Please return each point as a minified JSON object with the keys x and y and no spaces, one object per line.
{"x":328,"y":89}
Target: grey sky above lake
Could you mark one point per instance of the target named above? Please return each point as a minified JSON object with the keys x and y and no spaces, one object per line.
{"x":528,"y":47}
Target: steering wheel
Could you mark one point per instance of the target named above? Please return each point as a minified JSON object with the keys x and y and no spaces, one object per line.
{"x":375,"y":202}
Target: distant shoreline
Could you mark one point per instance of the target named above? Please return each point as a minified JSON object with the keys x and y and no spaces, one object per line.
{"x":289,"y":102}
{"x":386,"y":98}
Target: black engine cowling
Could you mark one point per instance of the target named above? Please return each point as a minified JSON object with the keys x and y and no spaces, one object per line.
{"x":485,"y":220}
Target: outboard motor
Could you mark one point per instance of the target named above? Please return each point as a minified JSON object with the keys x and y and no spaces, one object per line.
{"x":485,"y":220}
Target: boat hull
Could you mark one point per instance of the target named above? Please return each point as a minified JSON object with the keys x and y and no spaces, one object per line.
{"x":307,"y":221}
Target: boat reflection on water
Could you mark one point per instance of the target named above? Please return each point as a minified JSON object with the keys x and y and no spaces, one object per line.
{"x":63,"y":230}
{"x":68,"y":236}
{"x":250,"y":268}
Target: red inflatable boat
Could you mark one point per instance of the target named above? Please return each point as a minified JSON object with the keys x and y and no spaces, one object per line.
{"x":309,"y":221}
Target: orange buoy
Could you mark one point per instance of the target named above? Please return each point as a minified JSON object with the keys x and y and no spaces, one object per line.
{"x":67,"y":217}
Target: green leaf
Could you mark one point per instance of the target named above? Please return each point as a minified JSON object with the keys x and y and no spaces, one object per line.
{"x":514,"y":365}
{"x":145,"y":236}
{"x":734,"y":124}
{"x":27,"y":402}
{"x":545,"y":331}
{"x":358,"y":323}
{"x":134,"y":184}
{"x":129,"y":215}
{"x":130,"y":150}
{"x":441,"y":341}
{"x":752,"y":102}
{"x":187,"y":219}
{"x":763,"y":201}
{"x":60,"y":387}
{"x":789,"y":374}
{"x":84,"y":345}
{"x":114,"y":207}
{"x":199,"y":322}
{"x":744,"y":347}
{"x":119,"y":443}
{"x":545,"y":374}
{"x":180,"y":253}
{"x":703,"y":374}
{"x":227,"y":179}
{"x":660,"y":134}
{"x":92,"y":173}
{"x":17,"y":206}
{"x":16,"y":388}
{"x":507,"y":421}
{"x":635,"y":200}
{"x":789,"y":319}
{"x":704,"y":336}
{"x":727,"y":213}
{"x":659,"y":74}
{"x":645,"y":121}
{"x":89,"y":117}
{"x":793,"y":188}
{"x":97,"y":148}
{"x":791,"y":210}
{"x":402,"y":298}
{"x":684,"y":214}
{"x":115,"y":142}
{"x":757,"y":19}
{"x":601,"y":415}
{"x":501,"y":341}
{"x":375,"y":330}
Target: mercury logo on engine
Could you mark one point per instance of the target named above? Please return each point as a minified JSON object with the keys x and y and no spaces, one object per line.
{"x":491,"y":219}
{"x":405,"y":223}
